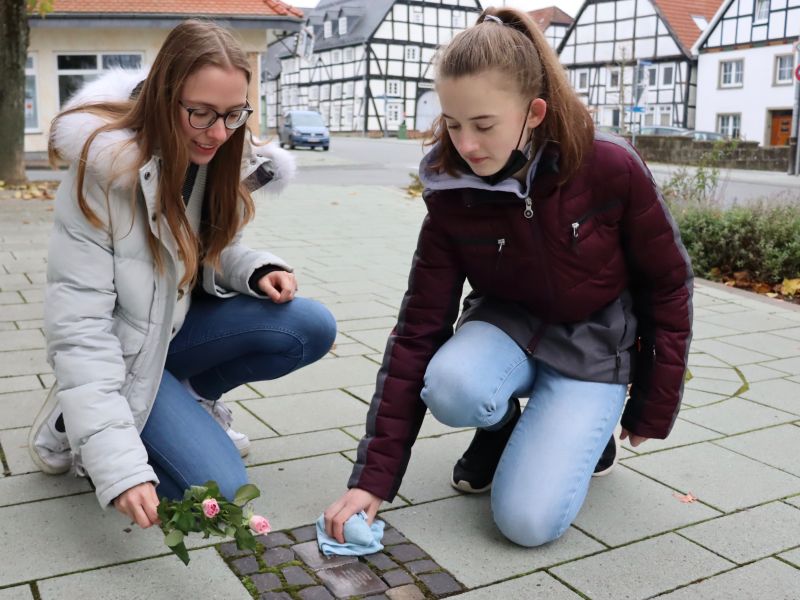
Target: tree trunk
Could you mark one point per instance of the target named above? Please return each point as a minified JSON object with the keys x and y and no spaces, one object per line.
{"x":14,"y":33}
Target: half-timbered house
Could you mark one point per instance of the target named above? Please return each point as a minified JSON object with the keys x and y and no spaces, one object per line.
{"x":371,"y":65}
{"x":631,"y":60}
{"x":746,"y":68}
{"x":553,"y":22}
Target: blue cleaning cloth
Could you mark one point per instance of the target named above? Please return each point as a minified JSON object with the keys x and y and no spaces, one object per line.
{"x":359,"y":537}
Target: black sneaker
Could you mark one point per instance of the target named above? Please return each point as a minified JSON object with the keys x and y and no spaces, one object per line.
{"x":607,"y":459}
{"x":473,"y":473}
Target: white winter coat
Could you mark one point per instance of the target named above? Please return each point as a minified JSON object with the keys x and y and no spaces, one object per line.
{"x":108,"y":311}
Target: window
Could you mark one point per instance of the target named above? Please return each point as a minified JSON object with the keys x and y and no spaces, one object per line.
{"x":667,"y":75}
{"x":613,"y":79}
{"x":349,"y":55}
{"x":458,"y":20}
{"x":412,"y":53}
{"x":416,"y":14}
{"x":313,"y":93}
{"x":342,"y":25}
{"x":783,"y":69}
{"x":393,"y":88}
{"x":336,"y":91}
{"x":761,"y":11}
{"x":665,"y":115}
{"x":325,"y":92}
{"x":348,"y":89}
{"x":327,"y":29}
{"x":583,"y":81}
{"x":729,"y":125}
{"x":731,"y":73}
{"x":649,"y":117}
{"x":394,"y":113}
{"x":336,"y":57}
{"x":31,"y":100}
{"x":76,"y":69}
{"x":652,"y":79}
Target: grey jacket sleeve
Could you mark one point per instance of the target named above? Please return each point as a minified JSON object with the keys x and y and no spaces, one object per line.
{"x":84,"y":352}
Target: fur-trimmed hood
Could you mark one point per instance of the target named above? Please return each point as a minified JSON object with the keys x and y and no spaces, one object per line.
{"x":114,"y":152}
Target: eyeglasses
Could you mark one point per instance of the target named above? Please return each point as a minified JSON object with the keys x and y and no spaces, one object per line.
{"x":203,"y":118}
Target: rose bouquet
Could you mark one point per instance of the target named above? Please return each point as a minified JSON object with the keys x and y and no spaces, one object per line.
{"x":205,"y":510}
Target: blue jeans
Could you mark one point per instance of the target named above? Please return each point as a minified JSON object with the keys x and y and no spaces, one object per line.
{"x":544,"y":473}
{"x":222,"y":344}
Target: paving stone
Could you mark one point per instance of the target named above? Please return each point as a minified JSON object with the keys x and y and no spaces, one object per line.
{"x":306,"y":533}
{"x":728,"y":353}
{"x":246,"y":565}
{"x":378,"y":597}
{"x":22,"y":340}
{"x":309,"y":553}
{"x":353,"y":579}
{"x":315,"y":593}
{"x":715,"y":475}
{"x":206,"y":576}
{"x":440,"y":583}
{"x":266,"y":581}
{"x":702,"y":330}
{"x":15,"y":446}
{"x":778,"y":393}
{"x":725,"y":373}
{"x":682,"y":434}
{"x":245,"y":422}
{"x":274,"y":596}
{"x":406,"y":552}
{"x":628,"y":572}
{"x":19,"y":384}
{"x":22,"y":592}
{"x":698,"y":398}
{"x":297,"y":576}
{"x":10,"y":298}
{"x":444,"y":528}
{"x":766,"y":343}
{"x":755,"y":373}
{"x":22,"y":312}
{"x":792,"y":556}
{"x":38,"y":486}
{"x":701,"y":359}
{"x":538,"y":585}
{"x":229,"y":549}
{"x":768,"y":578}
{"x":405,"y":592}
{"x":294,"y":493}
{"x":308,"y":411}
{"x":788,"y":366}
{"x":20,"y":408}
{"x":274,"y":539}
{"x":421,"y":566}
{"x":374,"y":338}
{"x":381,"y":561}
{"x":431,"y":465}
{"x":753,"y":322}
{"x":777,"y":446}
{"x":751,"y":534}
{"x":351,"y":349}
{"x":353,"y":310}
{"x":392,"y":536}
{"x":736,"y":416}
{"x":627,"y":506}
{"x":397,"y":578}
{"x":715,"y":386}
{"x":288,"y":447}
{"x":322,"y":375}
{"x":277,"y":556}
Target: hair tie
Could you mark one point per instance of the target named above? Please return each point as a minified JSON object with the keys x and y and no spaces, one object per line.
{"x":493,"y":18}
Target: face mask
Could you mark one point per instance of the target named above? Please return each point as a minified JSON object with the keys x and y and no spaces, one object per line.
{"x":516,"y":161}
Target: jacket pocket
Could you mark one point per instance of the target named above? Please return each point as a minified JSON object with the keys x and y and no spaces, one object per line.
{"x":477,"y":249}
{"x":131,"y":336}
{"x":582,"y":227}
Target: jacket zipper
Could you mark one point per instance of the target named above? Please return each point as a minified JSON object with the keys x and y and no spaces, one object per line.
{"x":501,"y":242}
{"x":595,"y":211}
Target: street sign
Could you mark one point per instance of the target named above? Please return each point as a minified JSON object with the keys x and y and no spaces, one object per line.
{"x":635,"y":109}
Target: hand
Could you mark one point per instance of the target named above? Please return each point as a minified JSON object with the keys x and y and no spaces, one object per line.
{"x":353,"y":501}
{"x":139,"y":504}
{"x":279,"y":286}
{"x":635,"y":440}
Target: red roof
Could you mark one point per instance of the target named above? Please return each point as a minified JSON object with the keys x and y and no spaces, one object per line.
{"x":179,"y":7}
{"x":678,"y":15}
{"x":544,"y":17}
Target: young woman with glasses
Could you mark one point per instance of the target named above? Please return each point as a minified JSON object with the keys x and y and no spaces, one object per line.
{"x":154,"y":308}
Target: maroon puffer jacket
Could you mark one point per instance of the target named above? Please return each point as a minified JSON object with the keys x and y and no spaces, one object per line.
{"x":578,"y":248}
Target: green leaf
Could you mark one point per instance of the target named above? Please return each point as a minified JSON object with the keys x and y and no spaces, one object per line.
{"x":199,"y":492}
{"x":186,"y":523}
{"x":213,"y":489}
{"x":246,"y":493}
{"x":230,"y":531}
{"x":174,"y":538}
{"x":182,"y":553}
{"x":244,"y":539}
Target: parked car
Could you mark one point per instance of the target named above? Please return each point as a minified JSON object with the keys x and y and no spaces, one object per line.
{"x":303,"y":128}
{"x":704,"y":136}
{"x":663,"y":130}
{"x":615,"y":129}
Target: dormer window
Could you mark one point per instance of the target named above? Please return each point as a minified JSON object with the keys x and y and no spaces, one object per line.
{"x":327,"y":29}
{"x":342,"y":25}
{"x":762,"y":11}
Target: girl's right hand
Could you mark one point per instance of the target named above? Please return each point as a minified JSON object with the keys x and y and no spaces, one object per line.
{"x":353,"y":501}
{"x":139,"y":504}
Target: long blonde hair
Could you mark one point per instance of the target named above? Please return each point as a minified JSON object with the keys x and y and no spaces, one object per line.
{"x":153,"y":117}
{"x":519,"y":50}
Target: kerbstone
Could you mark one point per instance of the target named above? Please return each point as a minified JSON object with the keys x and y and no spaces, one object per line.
{"x":777,"y":446}
{"x":751,"y":534}
{"x":206,"y":576}
{"x":768,"y":578}
{"x":737,"y":416}
{"x":649,"y":509}
{"x":309,"y":411}
{"x":445,"y":527}
{"x":322,"y":375}
{"x":715,"y":475}
{"x":642,"y":569}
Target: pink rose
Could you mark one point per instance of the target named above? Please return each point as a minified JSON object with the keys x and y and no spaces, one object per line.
{"x":259,"y":524}
{"x":210,"y":508}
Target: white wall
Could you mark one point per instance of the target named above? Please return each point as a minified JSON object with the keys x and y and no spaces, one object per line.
{"x":753,"y":100}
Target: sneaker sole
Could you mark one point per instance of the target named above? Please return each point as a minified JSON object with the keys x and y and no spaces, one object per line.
{"x":464,"y":486}
{"x":38,"y":422}
{"x":610,"y":467}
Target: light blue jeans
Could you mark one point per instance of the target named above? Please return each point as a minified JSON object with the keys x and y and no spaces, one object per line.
{"x":544,"y":473}
{"x":224,"y":343}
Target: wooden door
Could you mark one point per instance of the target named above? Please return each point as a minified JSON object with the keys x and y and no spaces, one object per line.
{"x":781,"y":128}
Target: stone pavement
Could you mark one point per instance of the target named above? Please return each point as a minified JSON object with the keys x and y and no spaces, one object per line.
{"x":735,"y":447}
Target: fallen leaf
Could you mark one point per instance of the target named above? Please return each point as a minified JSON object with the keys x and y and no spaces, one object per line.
{"x":730,"y":283}
{"x":771,"y":295}
{"x":790,"y":287}
{"x":687,"y":498}
{"x":762,"y":288}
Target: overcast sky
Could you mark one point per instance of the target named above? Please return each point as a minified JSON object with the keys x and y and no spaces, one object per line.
{"x":568,"y":6}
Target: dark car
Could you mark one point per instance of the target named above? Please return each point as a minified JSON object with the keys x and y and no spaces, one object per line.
{"x":304,"y":128}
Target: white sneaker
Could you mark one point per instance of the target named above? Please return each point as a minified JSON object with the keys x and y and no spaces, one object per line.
{"x":223,"y":415}
{"x":48,"y":447}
